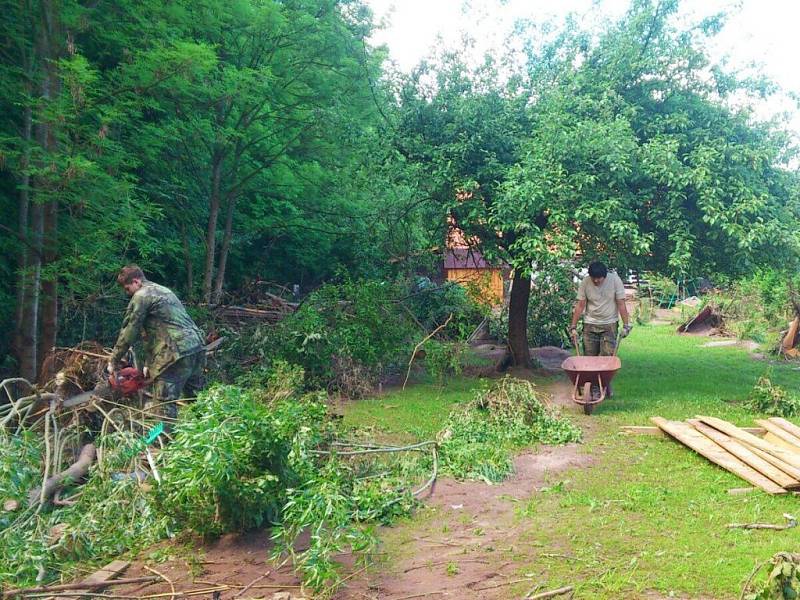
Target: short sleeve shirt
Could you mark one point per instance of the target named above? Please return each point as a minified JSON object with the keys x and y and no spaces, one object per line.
{"x":601,"y":300}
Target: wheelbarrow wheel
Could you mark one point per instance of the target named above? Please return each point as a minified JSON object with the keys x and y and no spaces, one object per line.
{"x":587,"y":397}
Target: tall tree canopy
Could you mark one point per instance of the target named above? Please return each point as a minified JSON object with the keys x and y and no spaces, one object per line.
{"x":213,"y":141}
{"x":628,"y":146}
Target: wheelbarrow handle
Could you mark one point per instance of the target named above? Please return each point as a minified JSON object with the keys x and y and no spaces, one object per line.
{"x":616,"y":346}
{"x":573,"y":334}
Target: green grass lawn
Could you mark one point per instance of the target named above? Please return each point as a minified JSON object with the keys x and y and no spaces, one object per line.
{"x":649,"y":514}
{"x":416,"y":413}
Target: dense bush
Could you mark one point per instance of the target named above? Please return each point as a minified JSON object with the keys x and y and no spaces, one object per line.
{"x":230,"y":462}
{"x":757,"y":307}
{"x":432,"y":303}
{"x":341,"y":335}
{"x":771,"y":399}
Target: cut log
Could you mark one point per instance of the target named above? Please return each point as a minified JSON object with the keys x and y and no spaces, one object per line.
{"x":747,"y":456}
{"x":778,"y":431}
{"x":75,"y":473}
{"x":786,"y":425}
{"x":751,"y":440}
{"x":698,"y":442}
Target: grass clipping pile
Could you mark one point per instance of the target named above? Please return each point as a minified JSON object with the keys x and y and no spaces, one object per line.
{"x":480,"y":437}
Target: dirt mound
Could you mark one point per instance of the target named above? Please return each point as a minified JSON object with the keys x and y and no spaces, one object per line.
{"x":550,"y":357}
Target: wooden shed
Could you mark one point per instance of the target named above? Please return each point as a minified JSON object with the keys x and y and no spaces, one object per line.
{"x":468,"y":267}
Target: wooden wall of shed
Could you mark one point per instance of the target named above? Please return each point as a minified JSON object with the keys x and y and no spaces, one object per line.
{"x":488,"y":282}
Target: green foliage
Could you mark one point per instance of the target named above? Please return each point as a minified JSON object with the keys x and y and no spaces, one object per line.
{"x":356,"y":329}
{"x":771,"y":399}
{"x":99,"y":526}
{"x":432,"y":303}
{"x":444,"y":359}
{"x":549,"y":310}
{"x":230,"y":462}
{"x":783,"y":581}
{"x":478,"y":438}
{"x":335,"y":503}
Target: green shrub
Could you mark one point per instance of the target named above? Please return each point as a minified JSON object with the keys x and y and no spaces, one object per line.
{"x":444,"y":359}
{"x":771,"y":399}
{"x":341,"y":332}
{"x":432,"y":303}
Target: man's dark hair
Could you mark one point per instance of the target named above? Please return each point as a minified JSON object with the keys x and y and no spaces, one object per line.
{"x":597,"y":269}
{"x":128,"y":273}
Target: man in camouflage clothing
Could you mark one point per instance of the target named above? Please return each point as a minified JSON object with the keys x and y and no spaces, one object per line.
{"x":173,"y":344}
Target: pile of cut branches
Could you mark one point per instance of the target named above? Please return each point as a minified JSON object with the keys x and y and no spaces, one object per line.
{"x":479,"y":438}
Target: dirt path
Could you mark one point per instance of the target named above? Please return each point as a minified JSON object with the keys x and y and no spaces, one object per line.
{"x":464,"y":544}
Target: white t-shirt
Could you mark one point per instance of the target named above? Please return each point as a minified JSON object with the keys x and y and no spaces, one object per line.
{"x":601,"y":300}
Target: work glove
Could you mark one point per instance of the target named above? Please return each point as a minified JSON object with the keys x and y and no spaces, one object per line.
{"x":626,"y":330}
{"x":110,"y":368}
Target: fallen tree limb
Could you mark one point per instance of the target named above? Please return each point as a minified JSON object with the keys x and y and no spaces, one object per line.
{"x":790,"y":522}
{"x":74,"y":473}
{"x":551,"y":594}
{"x":81,"y":585}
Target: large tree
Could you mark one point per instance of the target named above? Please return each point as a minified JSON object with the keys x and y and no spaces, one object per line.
{"x":625,"y":146}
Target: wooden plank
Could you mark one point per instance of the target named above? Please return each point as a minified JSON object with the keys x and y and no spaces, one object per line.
{"x":786,"y":425}
{"x":788,"y":341}
{"x":741,"y":491}
{"x":743,"y":453}
{"x":650,"y":430}
{"x":778,"y":431}
{"x":774,"y":439}
{"x":689,"y":436}
{"x":110,"y":571}
{"x":777,"y":462}
{"x":751,"y":440}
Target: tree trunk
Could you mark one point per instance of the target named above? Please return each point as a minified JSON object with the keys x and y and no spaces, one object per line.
{"x":223,"y":252}
{"x":23,"y":203}
{"x":187,"y":262}
{"x":519,"y":354}
{"x":49,"y":50}
{"x":211,"y":231}
{"x":29,"y":334}
{"x":49,"y":300}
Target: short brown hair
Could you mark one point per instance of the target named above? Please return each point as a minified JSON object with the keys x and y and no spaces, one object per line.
{"x":128,"y":273}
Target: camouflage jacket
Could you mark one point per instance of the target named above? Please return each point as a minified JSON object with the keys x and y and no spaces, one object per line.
{"x":156,"y":315}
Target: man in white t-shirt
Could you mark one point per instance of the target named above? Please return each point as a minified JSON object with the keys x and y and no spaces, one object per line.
{"x":601,"y":301}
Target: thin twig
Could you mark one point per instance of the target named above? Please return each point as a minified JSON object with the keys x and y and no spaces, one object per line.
{"x":551,"y":594}
{"x":77,"y":586}
{"x":164,"y":577}
{"x":420,"y":595}
{"x":418,"y":346}
{"x":252,"y":583}
{"x":442,"y":543}
{"x":502,"y":584}
{"x":446,"y":562}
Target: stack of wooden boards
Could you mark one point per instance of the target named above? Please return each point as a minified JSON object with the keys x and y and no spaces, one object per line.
{"x":771,"y":463}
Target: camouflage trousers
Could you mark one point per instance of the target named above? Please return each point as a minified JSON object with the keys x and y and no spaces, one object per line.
{"x":599,"y":340}
{"x":183,"y":378}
